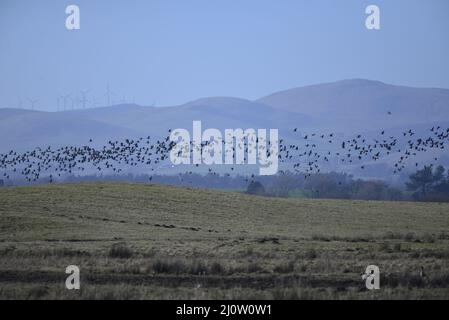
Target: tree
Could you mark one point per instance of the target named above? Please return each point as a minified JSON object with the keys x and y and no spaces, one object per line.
{"x":283,"y":185}
{"x":255,"y":188}
{"x":443,"y":185}
{"x":424,"y":180}
{"x":438,"y":175}
{"x":370,"y":190}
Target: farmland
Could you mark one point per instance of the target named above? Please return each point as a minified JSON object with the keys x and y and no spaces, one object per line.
{"x":139,"y":241}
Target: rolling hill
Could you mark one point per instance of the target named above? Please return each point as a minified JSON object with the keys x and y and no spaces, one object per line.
{"x":364,"y":104}
{"x":344,"y":107}
{"x":27,"y":129}
{"x":23,"y":129}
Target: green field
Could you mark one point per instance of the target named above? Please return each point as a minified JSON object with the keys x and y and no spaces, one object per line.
{"x":160,"y":242}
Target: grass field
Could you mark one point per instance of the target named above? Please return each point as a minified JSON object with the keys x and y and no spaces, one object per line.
{"x":161,"y":242}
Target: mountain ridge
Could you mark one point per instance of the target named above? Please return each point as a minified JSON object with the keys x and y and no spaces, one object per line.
{"x":352,"y":105}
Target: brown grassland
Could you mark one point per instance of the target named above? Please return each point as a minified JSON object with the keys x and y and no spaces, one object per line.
{"x":135,"y":241}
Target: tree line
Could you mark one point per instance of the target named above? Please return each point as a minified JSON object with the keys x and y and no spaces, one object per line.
{"x":428,"y":184}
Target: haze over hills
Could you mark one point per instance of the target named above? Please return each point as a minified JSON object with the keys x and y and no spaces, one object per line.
{"x":26,"y":129}
{"x":217,"y":112}
{"x":365,"y":104}
{"x":344,"y":107}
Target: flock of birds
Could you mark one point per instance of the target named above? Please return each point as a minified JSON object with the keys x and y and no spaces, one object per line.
{"x":305,"y":154}
{"x":362,"y":149}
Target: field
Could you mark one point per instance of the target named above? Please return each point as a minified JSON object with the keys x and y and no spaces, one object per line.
{"x":135,"y":241}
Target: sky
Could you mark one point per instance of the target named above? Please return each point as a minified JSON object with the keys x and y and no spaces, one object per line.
{"x":167,"y":52}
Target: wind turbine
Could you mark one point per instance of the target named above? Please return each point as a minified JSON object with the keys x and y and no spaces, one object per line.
{"x":73,"y":100}
{"x":33,"y":102}
{"x":95,"y":102}
{"x":123,"y":101}
{"x":64,"y":98}
{"x":84,"y":99}
{"x":19,"y":104}
{"x":108,"y":94}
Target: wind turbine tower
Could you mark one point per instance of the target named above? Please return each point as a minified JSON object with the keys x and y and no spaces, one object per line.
{"x":84,"y":99}
{"x":33,"y":103}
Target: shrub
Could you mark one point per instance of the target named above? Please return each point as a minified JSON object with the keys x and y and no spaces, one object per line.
{"x":311,"y":254}
{"x":287,"y":267}
{"x":173,"y":267}
{"x":256,"y":188}
{"x":197,"y":268}
{"x":254,"y":268}
{"x":121,"y":251}
{"x":38,"y":292}
{"x":217,"y":268}
{"x":385,"y":247}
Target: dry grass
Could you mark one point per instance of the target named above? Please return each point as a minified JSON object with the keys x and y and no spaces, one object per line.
{"x":149,"y":242}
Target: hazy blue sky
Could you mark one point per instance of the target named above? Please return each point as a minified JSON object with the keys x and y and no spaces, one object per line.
{"x":169,"y":52}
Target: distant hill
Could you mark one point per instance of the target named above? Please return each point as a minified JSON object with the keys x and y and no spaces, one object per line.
{"x":26,"y":129}
{"x":216,"y":112}
{"x":344,"y":108}
{"x":364,"y":104}
{"x":23,"y":129}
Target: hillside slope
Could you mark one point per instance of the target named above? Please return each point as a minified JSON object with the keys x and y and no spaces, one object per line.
{"x":85,"y":211}
{"x":26,"y":129}
{"x":361,"y":103}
